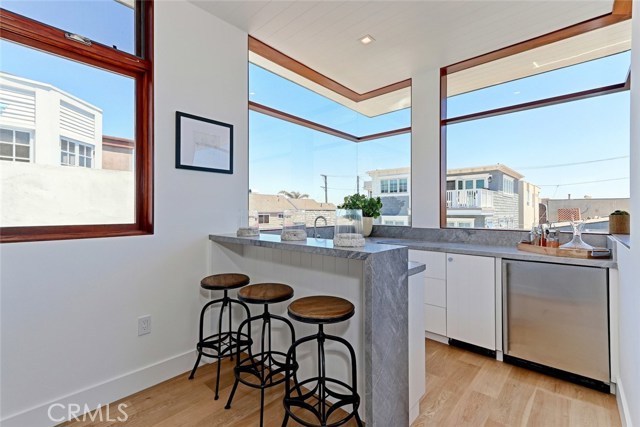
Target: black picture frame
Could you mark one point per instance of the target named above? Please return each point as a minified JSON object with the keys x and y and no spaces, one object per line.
{"x":203,"y":144}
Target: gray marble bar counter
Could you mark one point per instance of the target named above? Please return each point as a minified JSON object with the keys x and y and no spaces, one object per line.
{"x":507,"y":252}
{"x":416,"y":267}
{"x":381,"y":296}
{"x":311,"y":245}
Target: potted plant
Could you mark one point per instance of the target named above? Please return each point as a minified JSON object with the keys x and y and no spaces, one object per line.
{"x":619,"y":222}
{"x":370,"y":209}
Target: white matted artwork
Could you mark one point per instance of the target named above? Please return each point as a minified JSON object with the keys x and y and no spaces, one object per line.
{"x":203,"y":144}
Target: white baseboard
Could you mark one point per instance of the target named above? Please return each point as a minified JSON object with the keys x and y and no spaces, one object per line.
{"x":436,"y":337}
{"x":104,"y":393}
{"x":623,"y":405}
{"x":414,"y":412}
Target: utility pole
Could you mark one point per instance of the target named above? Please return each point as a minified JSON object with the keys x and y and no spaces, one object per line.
{"x":326,"y":197}
{"x":358,"y":184}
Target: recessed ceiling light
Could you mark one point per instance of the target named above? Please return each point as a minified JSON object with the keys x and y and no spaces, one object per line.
{"x":367,"y":39}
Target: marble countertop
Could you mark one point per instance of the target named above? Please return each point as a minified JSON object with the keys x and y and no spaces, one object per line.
{"x":311,"y":245}
{"x":507,"y":252}
{"x":416,"y":267}
{"x":625,"y":239}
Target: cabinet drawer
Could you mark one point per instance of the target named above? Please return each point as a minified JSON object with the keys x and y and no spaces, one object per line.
{"x":435,"y":262}
{"x":435,"y":292}
{"x":435,"y":319}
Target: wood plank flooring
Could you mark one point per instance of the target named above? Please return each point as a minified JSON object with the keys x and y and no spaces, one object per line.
{"x":466,"y":389}
{"x":463,"y":389}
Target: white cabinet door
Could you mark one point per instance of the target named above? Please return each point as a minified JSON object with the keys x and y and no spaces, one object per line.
{"x":471,"y":300}
{"x":416,"y":344}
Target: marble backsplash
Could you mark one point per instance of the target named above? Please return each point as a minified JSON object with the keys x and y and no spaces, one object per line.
{"x":455,"y":235}
{"x":473,"y":236}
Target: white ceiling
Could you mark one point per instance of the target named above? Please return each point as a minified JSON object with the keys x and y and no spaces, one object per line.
{"x":411,"y":36}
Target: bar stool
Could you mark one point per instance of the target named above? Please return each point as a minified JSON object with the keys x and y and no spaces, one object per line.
{"x":321,"y":310}
{"x":221,"y":344}
{"x":263,"y":367}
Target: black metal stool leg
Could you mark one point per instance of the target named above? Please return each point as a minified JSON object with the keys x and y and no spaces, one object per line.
{"x":225,"y":301}
{"x":238,"y":359}
{"x":201,"y":335}
{"x":195,"y":367}
{"x":233,"y":392}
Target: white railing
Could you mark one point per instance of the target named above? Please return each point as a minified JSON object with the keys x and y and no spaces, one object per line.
{"x":480,"y":198}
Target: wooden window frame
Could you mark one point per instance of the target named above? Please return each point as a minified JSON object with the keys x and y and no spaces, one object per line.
{"x":621,"y":12}
{"x":37,"y":35}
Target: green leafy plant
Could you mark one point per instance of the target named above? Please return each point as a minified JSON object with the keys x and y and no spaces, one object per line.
{"x":370,"y":205}
{"x":619,"y":212}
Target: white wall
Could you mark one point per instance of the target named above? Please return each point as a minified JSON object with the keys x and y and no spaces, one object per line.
{"x":425,"y":149}
{"x":69,"y":308}
{"x":629,"y":299}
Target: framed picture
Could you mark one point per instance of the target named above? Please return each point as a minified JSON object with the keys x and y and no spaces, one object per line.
{"x":203,"y":144}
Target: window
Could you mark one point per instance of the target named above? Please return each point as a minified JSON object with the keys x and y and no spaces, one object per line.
{"x":320,"y":160}
{"x":552,"y":136}
{"x":70,"y":151}
{"x":79,"y":73}
{"x":263,"y":218}
{"x":507,"y":184}
{"x":15,"y":145}
{"x":394,"y":185}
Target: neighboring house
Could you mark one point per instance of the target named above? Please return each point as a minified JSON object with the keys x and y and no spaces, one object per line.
{"x":117,"y":153}
{"x":560,"y":210}
{"x":393,"y":186}
{"x":42,"y":124}
{"x":271,"y":209}
{"x":493,"y":196}
{"x":55,"y":160}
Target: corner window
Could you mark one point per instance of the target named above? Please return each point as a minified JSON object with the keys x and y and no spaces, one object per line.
{"x":76,"y":105}
{"x":324,"y":148}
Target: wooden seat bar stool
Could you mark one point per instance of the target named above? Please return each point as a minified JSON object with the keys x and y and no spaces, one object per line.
{"x":265,"y":368}
{"x":320,"y":310}
{"x":227,"y":343}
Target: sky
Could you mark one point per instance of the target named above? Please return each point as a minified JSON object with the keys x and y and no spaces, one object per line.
{"x":579,"y":148}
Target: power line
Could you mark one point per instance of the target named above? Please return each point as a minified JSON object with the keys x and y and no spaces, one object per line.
{"x":559,"y":165}
{"x":584,"y":182}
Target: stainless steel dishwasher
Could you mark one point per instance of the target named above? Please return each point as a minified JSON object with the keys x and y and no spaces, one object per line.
{"x":556,"y":320}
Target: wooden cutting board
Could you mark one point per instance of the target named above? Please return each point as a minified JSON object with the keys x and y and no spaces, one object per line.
{"x":601,"y":253}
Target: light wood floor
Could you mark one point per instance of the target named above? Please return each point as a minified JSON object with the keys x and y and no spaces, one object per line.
{"x":466,"y":389}
{"x":463,"y":389}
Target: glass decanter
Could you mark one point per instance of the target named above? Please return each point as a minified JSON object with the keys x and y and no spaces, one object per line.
{"x":577,"y":242}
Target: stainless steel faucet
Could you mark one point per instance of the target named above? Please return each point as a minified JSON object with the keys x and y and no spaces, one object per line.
{"x":315,"y":223}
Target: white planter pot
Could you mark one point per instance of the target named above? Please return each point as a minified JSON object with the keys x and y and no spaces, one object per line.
{"x":367,"y":226}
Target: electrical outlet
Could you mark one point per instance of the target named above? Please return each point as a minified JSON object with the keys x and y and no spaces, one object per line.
{"x":144,"y":325}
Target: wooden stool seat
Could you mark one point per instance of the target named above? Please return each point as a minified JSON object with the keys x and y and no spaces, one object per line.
{"x":321,"y":309}
{"x":220,"y":282}
{"x":265,"y":293}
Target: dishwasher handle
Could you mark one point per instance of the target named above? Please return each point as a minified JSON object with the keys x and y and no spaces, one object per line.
{"x":505,"y":307}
